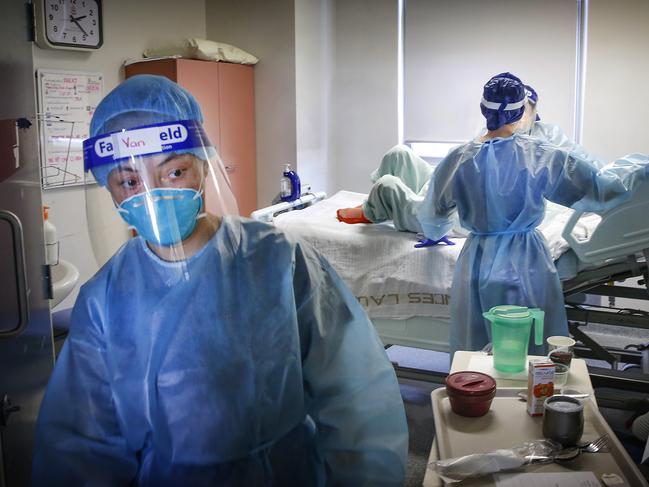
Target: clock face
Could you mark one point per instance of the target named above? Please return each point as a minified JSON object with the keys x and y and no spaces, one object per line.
{"x":74,"y":23}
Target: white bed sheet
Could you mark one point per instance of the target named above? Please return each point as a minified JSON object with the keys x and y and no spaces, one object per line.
{"x":389,"y":277}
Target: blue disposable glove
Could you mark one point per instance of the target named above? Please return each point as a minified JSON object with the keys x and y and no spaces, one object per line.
{"x":427,"y":242}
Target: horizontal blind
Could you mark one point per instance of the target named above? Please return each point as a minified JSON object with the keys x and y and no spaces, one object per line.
{"x":452,"y":47}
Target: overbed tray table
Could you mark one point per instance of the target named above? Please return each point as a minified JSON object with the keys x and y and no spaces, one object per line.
{"x":507,"y":424}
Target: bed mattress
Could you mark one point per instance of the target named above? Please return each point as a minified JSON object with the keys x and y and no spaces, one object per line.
{"x":389,"y":277}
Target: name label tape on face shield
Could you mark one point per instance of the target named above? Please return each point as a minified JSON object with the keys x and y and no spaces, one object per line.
{"x":151,"y":139}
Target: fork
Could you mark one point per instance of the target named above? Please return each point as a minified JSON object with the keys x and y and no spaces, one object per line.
{"x":599,"y":445}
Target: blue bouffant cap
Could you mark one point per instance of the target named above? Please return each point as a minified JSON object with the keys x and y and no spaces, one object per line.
{"x":142,"y":100}
{"x":533,"y":97}
{"x":503,"y":100}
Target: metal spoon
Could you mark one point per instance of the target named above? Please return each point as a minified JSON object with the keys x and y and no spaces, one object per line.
{"x":522,"y":395}
{"x":561,"y":456}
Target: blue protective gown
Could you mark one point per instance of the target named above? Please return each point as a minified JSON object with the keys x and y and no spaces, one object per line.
{"x":499,"y":189}
{"x":401,"y":180}
{"x":254,"y":365}
{"x":555,"y":135}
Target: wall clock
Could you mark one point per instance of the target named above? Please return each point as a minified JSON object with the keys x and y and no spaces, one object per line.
{"x":68,"y":24}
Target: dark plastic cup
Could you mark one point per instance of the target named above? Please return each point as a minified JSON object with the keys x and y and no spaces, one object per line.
{"x":561,"y":356}
{"x":563,"y":419}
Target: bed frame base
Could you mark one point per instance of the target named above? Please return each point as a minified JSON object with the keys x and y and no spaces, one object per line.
{"x":635,"y":374}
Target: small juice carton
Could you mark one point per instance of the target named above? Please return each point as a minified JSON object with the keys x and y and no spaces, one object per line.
{"x":540,"y":385}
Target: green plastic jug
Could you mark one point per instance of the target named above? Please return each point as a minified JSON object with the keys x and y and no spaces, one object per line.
{"x":510,"y":334}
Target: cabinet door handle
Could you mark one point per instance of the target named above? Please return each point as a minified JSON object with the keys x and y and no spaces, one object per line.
{"x":21,"y":273}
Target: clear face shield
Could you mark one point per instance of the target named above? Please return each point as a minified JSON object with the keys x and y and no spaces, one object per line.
{"x":167,"y":184}
{"x":524,"y":125}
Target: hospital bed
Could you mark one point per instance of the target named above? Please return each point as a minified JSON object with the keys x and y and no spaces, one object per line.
{"x":406,"y":291}
{"x":616,"y":250}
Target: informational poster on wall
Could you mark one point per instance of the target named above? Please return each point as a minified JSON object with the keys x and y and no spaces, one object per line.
{"x":67,"y":100}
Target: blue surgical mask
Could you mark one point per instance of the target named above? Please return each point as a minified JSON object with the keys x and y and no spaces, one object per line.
{"x":163,"y":216}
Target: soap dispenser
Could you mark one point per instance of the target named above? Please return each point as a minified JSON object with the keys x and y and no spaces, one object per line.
{"x":290,"y":188}
{"x":51,"y":242}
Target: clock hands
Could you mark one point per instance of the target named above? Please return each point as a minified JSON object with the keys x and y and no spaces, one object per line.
{"x":76,"y":21}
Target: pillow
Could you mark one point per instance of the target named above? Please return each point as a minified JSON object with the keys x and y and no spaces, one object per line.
{"x":194,"y":48}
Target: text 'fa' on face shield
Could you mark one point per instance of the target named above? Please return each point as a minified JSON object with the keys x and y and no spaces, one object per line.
{"x":162,"y":179}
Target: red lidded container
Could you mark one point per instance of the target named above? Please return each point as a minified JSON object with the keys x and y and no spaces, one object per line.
{"x":470,"y":393}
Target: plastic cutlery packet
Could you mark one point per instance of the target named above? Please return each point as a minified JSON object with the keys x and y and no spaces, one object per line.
{"x":479,"y":464}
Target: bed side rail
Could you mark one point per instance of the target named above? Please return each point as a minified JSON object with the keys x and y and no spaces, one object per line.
{"x":267,"y":214}
{"x":623,"y":231}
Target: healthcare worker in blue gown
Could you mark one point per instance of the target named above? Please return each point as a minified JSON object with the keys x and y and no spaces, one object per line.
{"x":400,"y":183}
{"x":210,"y":349}
{"x":498,"y":185}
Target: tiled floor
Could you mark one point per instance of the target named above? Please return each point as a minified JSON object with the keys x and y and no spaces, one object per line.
{"x":416,"y":397}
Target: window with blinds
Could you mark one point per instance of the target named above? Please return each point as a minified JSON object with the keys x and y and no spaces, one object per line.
{"x":452,"y":47}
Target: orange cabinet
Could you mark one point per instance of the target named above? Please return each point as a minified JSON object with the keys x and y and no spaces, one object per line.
{"x":226,"y":94}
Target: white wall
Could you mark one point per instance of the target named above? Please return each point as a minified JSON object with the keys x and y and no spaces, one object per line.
{"x":267,"y":30}
{"x":617,"y":70}
{"x":325,"y":85}
{"x":129,"y":28}
{"x":363,"y":97}
{"x":313,"y":68}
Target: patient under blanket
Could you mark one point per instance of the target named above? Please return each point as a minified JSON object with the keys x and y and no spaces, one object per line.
{"x":390,"y":277}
